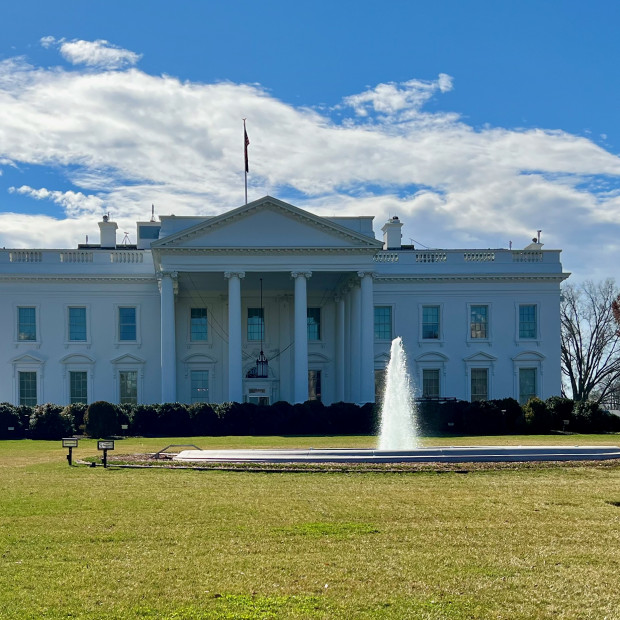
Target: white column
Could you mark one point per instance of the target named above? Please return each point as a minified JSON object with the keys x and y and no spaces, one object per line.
{"x":235,"y":379}
{"x":367,"y":338}
{"x":347,"y":346}
{"x":300,"y":391}
{"x":356,"y":351}
{"x":340,"y":355}
{"x":167,"y":283}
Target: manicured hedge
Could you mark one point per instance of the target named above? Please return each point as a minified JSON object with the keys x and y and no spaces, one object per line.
{"x":434,"y":417}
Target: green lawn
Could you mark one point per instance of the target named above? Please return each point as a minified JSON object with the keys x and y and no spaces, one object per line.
{"x":158,"y":543}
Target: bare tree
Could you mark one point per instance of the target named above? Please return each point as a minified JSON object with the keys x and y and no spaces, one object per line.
{"x":590,"y":339}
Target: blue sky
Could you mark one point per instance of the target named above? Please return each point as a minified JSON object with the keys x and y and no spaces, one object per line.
{"x":476,"y":122}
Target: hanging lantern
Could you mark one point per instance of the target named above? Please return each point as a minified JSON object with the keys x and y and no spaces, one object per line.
{"x":262,"y":365}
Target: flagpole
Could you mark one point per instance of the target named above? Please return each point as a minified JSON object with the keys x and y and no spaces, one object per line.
{"x":246,"y":143}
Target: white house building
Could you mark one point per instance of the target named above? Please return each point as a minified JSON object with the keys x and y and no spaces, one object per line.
{"x":184,"y":314}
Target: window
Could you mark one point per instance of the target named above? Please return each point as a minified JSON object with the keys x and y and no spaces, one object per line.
{"x":127,"y":327}
{"x":314,"y":385}
{"x":27,"y":324}
{"x":430,"y":322}
{"x":430,"y":383}
{"x":479,"y":384}
{"x":314,"y":323}
{"x":199,"y":386}
{"x":128,"y":387}
{"x":28,"y":388}
{"x":198,"y":325}
{"x":78,"y":392}
{"x":256,"y":324}
{"x":528,"y":327}
{"x":77,"y":324}
{"x":383,"y":322}
{"x":527,"y":384}
{"x":479,"y":322}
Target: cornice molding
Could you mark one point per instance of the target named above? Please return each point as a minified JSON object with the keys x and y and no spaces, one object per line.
{"x":268,"y":250}
{"x":469,"y":277}
{"x":54,"y":277}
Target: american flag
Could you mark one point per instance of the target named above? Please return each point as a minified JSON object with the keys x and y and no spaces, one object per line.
{"x":247,"y":143}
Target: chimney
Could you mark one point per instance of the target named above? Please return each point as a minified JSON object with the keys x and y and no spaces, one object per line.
{"x":391,"y":234}
{"x":108,"y":232}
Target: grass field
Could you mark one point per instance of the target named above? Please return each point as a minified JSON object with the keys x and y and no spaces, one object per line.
{"x":86,"y":542}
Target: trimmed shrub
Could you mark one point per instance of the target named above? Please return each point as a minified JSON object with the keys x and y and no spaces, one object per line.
{"x":101,"y":419}
{"x":537,"y":416}
{"x":125,"y":414}
{"x":513,"y":418}
{"x":50,"y":422}
{"x":9,"y":418}
{"x":144,"y":420}
{"x":561,"y":409}
{"x":173,"y":420}
{"x":202,"y":419}
{"x":76,"y":411}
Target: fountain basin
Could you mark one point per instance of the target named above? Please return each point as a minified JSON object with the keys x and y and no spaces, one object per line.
{"x":460,"y":454}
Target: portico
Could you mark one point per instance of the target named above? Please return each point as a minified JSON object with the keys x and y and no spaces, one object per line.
{"x":317,"y":322}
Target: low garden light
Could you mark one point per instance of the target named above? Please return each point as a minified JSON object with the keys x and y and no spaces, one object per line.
{"x":70,"y":442}
{"x":105,"y":445}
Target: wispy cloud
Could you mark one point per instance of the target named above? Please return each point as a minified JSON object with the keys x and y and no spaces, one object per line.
{"x":100,"y":53}
{"x":125,"y":139}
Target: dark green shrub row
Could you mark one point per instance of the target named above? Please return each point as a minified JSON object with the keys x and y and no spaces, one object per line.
{"x":102,"y":419}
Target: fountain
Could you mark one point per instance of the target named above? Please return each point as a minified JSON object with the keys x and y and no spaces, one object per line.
{"x":398,"y":442}
{"x":398,"y":412}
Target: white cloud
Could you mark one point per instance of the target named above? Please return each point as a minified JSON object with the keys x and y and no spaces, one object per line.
{"x":126,"y":139}
{"x":99,"y":53}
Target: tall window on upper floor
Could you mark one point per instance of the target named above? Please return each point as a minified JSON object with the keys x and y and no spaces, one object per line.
{"x":383,"y":322}
{"x":479,"y":322}
{"x":78,"y":391}
{"x":256,"y":324}
{"x":479,"y":384}
{"x":77,"y":324}
{"x":430,"y":322}
{"x":199,"y":330}
{"x":27,"y":324}
{"x":128,"y":387}
{"x":430,"y":383}
{"x":528,"y":321}
{"x":127,"y":326}
{"x":28,"y":388}
{"x":314,"y":323}
{"x":527,"y":384}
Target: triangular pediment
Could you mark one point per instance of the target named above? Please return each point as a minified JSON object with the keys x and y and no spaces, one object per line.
{"x":28,"y":358}
{"x":481,"y":356}
{"x":266,"y":223}
{"x":127,"y":358}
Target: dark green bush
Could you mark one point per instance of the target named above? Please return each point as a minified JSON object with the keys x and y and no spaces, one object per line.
{"x":144,"y":421}
{"x":173,"y":420}
{"x":202,"y":418}
{"x":101,"y":419}
{"x":9,"y":418}
{"x":50,"y":422}
{"x":76,"y":411}
{"x":537,"y":417}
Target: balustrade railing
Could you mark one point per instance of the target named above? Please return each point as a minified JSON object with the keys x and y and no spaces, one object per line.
{"x":76,"y":257}
{"x":126,"y":257}
{"x":25,"y":256}
{"x":431,"y":257}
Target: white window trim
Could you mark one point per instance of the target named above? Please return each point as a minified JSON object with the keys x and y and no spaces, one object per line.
{"x":199,"y":361}
{"x":124,"y":363}
{"x":191,"y":342}
{"x":78,"y":363}
{"x":117,"y":327}
{"x":28,"y":363}
{"x":526,"y":341}
{"x":391,"y":306}
{"x":479,"y":360}
{"x":529,"y":359}
{"x":68,"y":341}
{"x":489,"y":338}
{"x":421,"y":307}
{"x":321,"y":325}
{"x":37,"y":317}
{"x":430,"y":361}
{"x":244,"y":320}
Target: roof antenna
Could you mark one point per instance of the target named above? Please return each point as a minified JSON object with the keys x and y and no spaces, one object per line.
{"x":538,"y":236}
{"x":152,"y":213}
{"x":126,"y":239}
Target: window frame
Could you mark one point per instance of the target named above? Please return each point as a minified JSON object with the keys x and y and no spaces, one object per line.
{"x":247,"y":326}
{"x":318,"y":324}
{"x":440,"y":316}
{"x":37,"y":326}
{"x":425,"y":371}
{"x":191,"y":384}
{"x":120,"y":372}
{"x":472,"y":370}
{"x":190,"y":337}
{"x":536,"y":393}
{"x":536,"y":336}
{"x":390,"y":307}
{"x":471,"y":339}
{"x":138,"y":339}
{"x":36,"y":374}
{"x":85,"y":386}
{"x":68,"y":308}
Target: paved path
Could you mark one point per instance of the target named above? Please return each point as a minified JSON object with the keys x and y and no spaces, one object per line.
{"x":464,"y":454}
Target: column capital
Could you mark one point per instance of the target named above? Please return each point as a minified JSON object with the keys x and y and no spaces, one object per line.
{"x":301,"y":274}
{"x":372,"y":274}
{"x":232,"y":274}
{"x":174,"y":275}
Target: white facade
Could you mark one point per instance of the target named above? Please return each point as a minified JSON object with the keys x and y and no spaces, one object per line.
{"x":178,"y":317}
